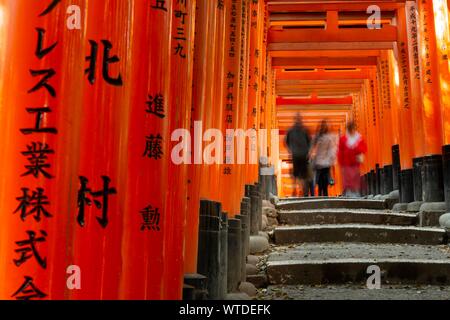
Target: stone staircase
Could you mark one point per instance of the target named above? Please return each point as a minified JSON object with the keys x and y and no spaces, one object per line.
{"x":324,"y":246}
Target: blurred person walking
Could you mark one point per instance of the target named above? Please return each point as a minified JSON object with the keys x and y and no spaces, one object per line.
{"x":298,"y":142}
{"x":352,"y":148}
{"x":323,"y":155}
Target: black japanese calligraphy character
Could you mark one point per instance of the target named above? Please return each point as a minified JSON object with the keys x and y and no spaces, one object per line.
{"x":179,"y":50}
{"x":35,"y":202}
{"x":38,"y":123}
{"x":27,"y":249}
{"x":179,"y":14}
{"x":83,"y":200}
{"x":43,"y":83}
{"x":37,"y":155}
{"x":28,"y":291}
{"x":153,"y":147}
{"x":90,"y":71}
{"x":107,"y":60}
{"x":155,"y":105}
{"x":40,"y":51}
{"x":52,"y":5}
{"x":150,"y":218}
{"x":159,"y":5}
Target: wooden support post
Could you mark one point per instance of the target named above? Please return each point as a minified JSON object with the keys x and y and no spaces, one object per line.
{"x":405,"y":105}
{"x":432,"y":183}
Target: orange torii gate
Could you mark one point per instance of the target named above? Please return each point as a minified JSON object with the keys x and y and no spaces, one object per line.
{"x":400,"y":80}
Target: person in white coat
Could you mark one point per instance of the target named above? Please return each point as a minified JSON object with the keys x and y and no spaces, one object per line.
{"x":323,"y":155}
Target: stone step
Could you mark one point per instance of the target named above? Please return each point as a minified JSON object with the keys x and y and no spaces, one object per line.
{"x":342,"y":216}
{"x":352,"y":292}
{"x":347,"y":263}
{"x":303,"y":198}
{"x":330,"y":203}
{"x":358,"y":233}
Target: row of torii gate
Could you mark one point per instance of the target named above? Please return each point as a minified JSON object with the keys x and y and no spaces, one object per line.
{"x":87,"y":180}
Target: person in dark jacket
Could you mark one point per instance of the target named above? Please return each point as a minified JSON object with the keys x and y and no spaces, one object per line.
{"x":298,"y":142}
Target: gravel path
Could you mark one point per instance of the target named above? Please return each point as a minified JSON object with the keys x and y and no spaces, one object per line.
{"x":350,"y":292}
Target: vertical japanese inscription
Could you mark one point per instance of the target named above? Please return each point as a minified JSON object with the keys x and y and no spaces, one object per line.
{"x":180,"y":37}
{"x":230,"y":80}
{"x":428,"y":77}
{"x":413,"y":31}
{"x":37,"y":154}
{"x":156,"y":103}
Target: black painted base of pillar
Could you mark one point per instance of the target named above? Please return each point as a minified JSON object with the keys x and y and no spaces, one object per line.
{"x":388,"y":179}
{"x":234,"y":266}
{"x":373,"y":181}
{"x":254,"y":221}
{"x":368,"y":183}
{"x":406,"y":186}
{"x":364,"y":184}
{"x":362,"y":181}
{"x":245,"y":234}
{"x":208,"y":263}
{"x":199,"y":283}
{"x":382,"y":181}
{"x":248,"y":190}
{"x":396,"y":167}
{"x":446,"y":174}
{"x":223,"y":273}
{"x":433,"y":179}
{"x":377,"y":179}
{"x":417,"y":178}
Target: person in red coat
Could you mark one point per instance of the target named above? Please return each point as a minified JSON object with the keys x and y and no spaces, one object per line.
{"x":352,"y":149}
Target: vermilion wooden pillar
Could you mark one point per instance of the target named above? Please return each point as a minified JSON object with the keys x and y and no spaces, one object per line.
{"x":374,"y":92}
{"x":262,"y":115}
{"x":182,"y":54}
{"x":415,"y":78}
{"x":242,"y":116}
{"x":371,"y":136}
{"x":441,"y":23}
{"x":254,"y":93}
{"x":73,"y":48}
{"x":201,"y":119}
{"x":217,"y":107}
{"x":357,"y":114}
{"x":272,"y":135}
{"x":384,"y":158}
{"x":34,"y":45}
{"x":144,"y":257}
{"x":404,"y":87}
{"x":361,"y":120}
{"x":432,"y":183}
{"x":430,"y":80}
{"x":233,"y":49}
{"x":394,"y":83}
{"x":211,"y":118}
{"x":386,"y":120}
{"x":103,"y":151}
